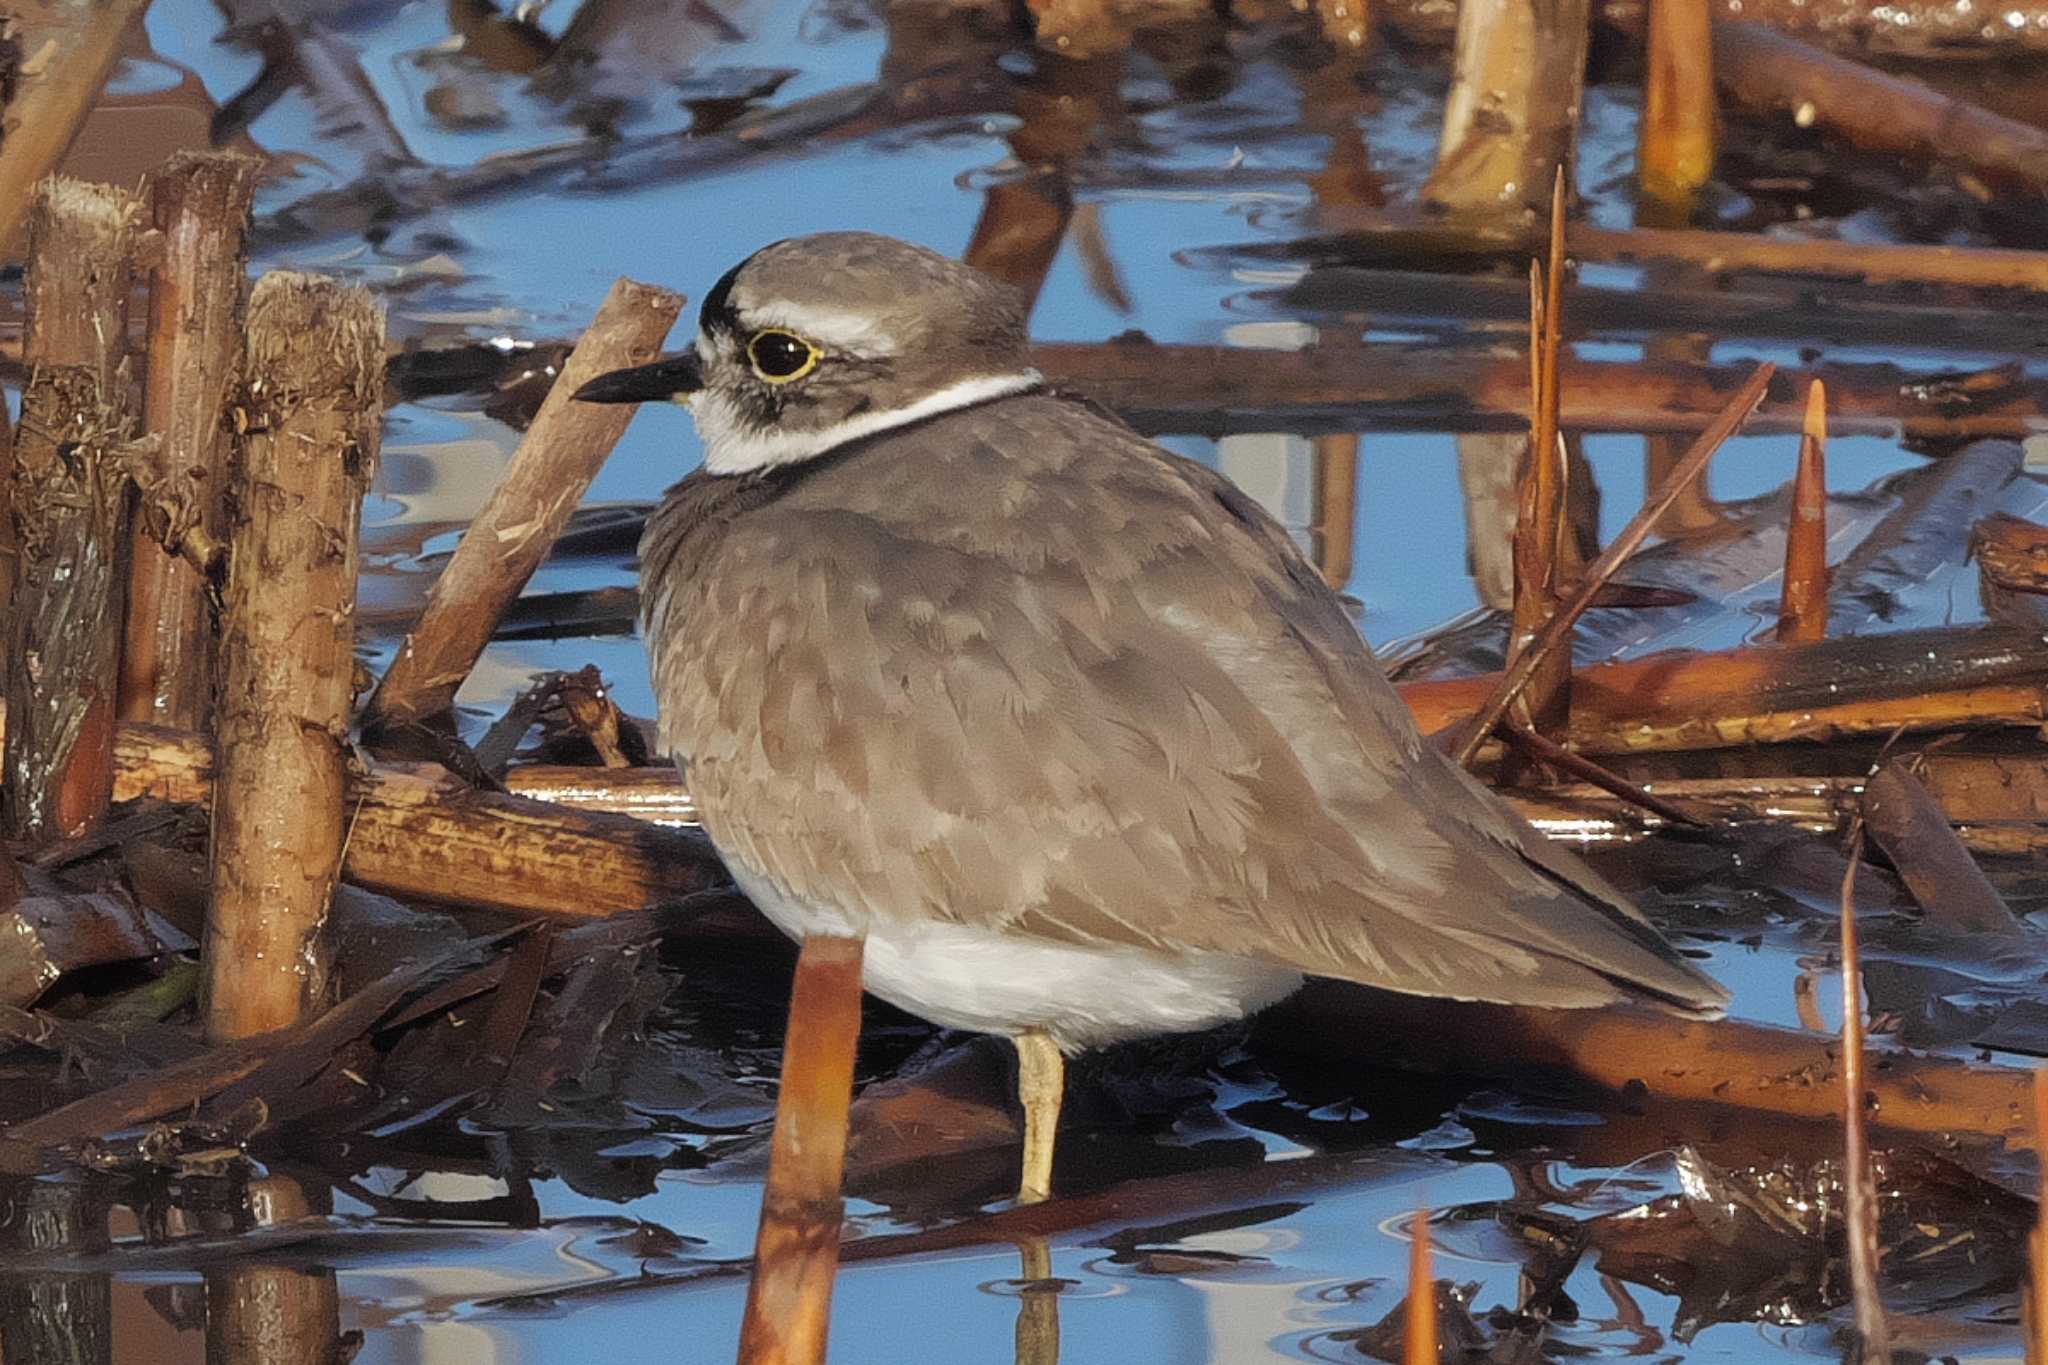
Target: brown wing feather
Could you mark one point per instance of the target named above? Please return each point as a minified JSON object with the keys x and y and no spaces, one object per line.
{"x":1089,"y":691}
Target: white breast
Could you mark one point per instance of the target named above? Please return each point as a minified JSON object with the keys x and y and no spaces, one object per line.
{"x":960,"y":976}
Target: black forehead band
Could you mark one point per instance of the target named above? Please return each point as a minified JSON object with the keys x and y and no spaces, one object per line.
{"x":717,"y":314}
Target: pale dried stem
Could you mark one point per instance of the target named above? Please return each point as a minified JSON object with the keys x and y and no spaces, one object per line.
{"x":1560,"y":624}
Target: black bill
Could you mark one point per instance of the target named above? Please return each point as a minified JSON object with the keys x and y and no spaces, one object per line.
{"x":672,"y":376}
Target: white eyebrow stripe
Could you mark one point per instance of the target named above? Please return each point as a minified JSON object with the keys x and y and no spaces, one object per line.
{"x":855,"y":332}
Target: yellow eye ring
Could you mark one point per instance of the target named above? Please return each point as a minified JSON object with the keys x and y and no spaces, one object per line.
{"x":780,"y":357}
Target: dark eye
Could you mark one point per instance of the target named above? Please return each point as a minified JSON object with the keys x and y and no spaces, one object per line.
{"x":779,"y":357}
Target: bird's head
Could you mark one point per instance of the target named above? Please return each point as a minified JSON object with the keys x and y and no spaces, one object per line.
{"x":816,"y":341}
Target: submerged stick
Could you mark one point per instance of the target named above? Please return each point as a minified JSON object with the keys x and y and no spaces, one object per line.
{"x":1803,"y":608}
{"x":200,"y":203}
{"x":1559,"y":626}
{"x":312,"y":415}
{"x":559,"y":456}
{"x":796,"y":1251}
{"x":1861,"y":1214}
{"x":68,"y":505}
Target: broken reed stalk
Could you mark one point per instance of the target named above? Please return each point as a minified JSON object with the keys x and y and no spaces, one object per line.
{"x":310,"y":417}
{"x":1560,"y":624}
{"x":68,"y":501}
{"x":1803,"y":609}
{"x":1548,"y":751}
{"x":1218,"y":390}
{"x":556,"y":460}
{"x":1544,"y":706}
{"x":1419,"y":1339}
{"x":200,"y":205}
{"x":1861,"y":1212}
{"x":2037,"y":1242}
{"x":415,"y":831}
{"x":1675,"y":146}
{"x":79,"y":45}
{"x":796,"y":1250}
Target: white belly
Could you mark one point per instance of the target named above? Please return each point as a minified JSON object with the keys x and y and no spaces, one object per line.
{"x":962,"y":977}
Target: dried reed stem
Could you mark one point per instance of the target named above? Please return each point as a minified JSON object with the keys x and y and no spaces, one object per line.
{"x":1559,"y":627}
{"x":312,"y":409}
{"x":1803,"y":610}
{"x":559,"y":456}
{"x":200,"y":203}
{"x":1544,"y":706}
{"x":796,"y":1251}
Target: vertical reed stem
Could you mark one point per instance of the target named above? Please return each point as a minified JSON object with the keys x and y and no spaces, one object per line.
{"x":200,"y":203}
{"x":1675,"y":146}
{"x":67,"y":501}
{"x":1803,"y":610}
{"x":1861,"y":1214}
{"x":1419,"y":1337}
{"x":312,"y":408}
{"x":796,"y":1251}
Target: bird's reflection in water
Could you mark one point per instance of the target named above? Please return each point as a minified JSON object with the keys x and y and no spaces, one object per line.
{"x":1038,"y":1304}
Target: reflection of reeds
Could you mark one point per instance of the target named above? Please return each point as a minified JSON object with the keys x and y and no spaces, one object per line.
{"x":1861,"y":1213}
{"x":1420,"y":1337}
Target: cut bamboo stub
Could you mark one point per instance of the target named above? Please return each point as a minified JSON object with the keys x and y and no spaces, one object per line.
{"x":311,"y":418}
{"x":796,"y":1251}
{"x":200,"y":203}
{"x":1803,"y":608}
{"x":66,"y":496}
{"x":559,"y":456}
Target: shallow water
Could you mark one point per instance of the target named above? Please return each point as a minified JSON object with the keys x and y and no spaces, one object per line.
{"x":1287,"y":1278}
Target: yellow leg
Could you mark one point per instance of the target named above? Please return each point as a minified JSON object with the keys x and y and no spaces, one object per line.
{"x":1041,"y":1080}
